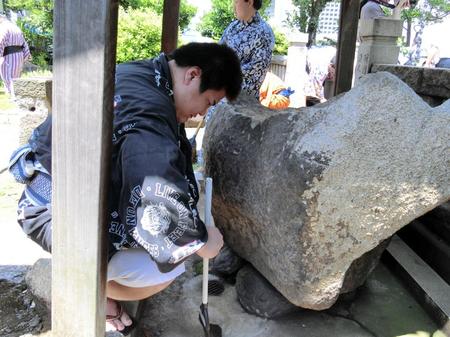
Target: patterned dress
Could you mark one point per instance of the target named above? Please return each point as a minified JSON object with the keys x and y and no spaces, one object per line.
{"x":11,"y":65}
{"x":253,"y":43}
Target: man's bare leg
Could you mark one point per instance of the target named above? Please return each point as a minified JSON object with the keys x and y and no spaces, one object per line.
{"x":118,"y":292}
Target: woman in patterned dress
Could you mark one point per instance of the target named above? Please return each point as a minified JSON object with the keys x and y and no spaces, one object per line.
{"x":14,"y":52}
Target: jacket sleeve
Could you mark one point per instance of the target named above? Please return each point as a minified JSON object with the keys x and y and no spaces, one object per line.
{"x":156,"y":200}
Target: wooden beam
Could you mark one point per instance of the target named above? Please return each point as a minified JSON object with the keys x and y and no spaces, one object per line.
{"x":171,"y":18}
{"x":430,"y":246}
{"x":348,"y":28}
{"x":85,"y":34}
{"x":432,"y":292}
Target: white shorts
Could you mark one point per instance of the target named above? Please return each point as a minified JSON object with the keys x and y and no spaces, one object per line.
{"x":135,"y":268}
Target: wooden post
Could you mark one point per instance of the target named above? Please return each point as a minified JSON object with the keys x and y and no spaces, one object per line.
{"x":171,"y":17}
{"x":348,"y":29}
{"x":84,"y":65}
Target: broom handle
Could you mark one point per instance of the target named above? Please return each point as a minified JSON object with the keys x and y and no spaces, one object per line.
{"x":208,"y":223}
{"x":197,"y":129}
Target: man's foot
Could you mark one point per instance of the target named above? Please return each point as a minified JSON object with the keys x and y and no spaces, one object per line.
{"x":116,"y":318}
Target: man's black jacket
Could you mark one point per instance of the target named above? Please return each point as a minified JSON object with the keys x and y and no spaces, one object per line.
{"x":153,"y":193}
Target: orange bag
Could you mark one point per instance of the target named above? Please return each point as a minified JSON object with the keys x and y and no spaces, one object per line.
{"x":268,"y":93}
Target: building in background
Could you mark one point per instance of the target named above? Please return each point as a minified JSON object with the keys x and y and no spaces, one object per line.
{"x":329,"y":21}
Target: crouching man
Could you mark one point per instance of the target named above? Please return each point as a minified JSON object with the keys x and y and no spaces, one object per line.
{"x":154,"y":224}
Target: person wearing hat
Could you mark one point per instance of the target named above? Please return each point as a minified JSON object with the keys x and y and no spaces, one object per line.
{"x":14,"y":52}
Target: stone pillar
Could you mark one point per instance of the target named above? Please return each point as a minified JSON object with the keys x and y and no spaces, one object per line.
{"x":378,"y":44}
{"x":295,"y":69}
{"x":34,"y":98}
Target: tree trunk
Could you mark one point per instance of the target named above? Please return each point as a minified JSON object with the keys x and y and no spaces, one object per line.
{"x":312,"y":25}
{"x":408,"y":32}
{"x":317,"y":7}
{"x":312,"y":31}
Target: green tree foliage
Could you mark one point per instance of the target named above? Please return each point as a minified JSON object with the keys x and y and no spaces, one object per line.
{"x":214,"y":23}
{"x":306,"y":17}
{"x":431,"y":11}
{"x":37,"y":27}
{"x":187,"y":11}
{"x":281,"y":43}
{"x":139,"y":34}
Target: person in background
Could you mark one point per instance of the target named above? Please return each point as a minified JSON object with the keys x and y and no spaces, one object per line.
{"x":253,"y":41}
{"x":316,"y":73}
{"x":154,"y":224}
{"x":433,"y":57}
{"x":14,"y":52}
{"x":372,"y":9}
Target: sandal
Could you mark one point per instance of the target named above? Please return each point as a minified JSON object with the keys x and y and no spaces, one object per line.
{"x":111,"y":318}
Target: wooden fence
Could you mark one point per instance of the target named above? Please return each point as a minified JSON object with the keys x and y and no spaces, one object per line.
{"x":278,"y":66}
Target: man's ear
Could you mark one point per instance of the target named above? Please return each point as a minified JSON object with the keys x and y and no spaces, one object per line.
{"x":191,"y":73}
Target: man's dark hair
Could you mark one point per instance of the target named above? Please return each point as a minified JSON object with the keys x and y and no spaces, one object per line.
{"x":219,"y":64}
{"x":257,"y":4}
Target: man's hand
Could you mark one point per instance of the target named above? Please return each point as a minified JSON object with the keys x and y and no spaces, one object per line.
{"x":213,"y":245}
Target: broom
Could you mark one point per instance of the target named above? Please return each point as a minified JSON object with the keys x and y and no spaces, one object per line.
{"x":211,"y":330}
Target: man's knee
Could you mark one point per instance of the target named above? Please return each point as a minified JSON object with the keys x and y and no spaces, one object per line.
{"x":134,"y":268}
{"x":120,"y":292}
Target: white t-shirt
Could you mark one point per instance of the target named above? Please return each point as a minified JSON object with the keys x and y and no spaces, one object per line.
{"x":371,"y":10}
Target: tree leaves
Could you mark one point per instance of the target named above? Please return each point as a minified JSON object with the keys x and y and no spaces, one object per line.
{"x":306,"y":17}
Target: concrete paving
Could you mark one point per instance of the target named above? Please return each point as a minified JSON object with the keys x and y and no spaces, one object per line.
{"x":9,"y":134}
{"x":16,"y":251}
{"x":385,"y":307}
{"x":381,"y":308}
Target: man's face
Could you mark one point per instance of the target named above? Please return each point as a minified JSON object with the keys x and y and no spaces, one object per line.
{"x":189,"y":102}
{"x":242,"y":9}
